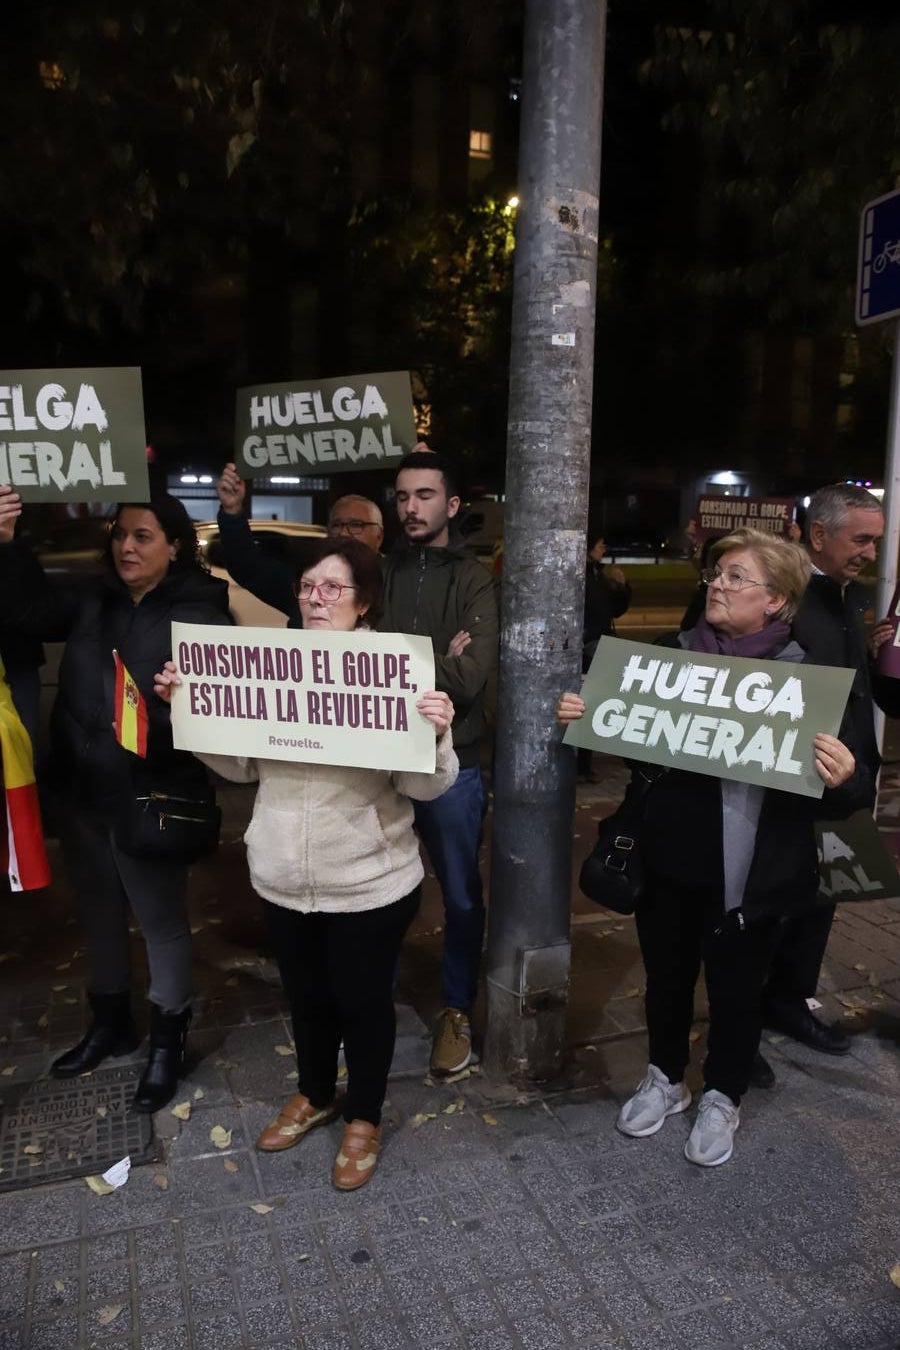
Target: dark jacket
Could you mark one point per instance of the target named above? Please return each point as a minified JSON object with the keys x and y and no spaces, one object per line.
{"x":604,"y":601}
{"x":89,"y":767}
{"x":269,"y":579}
{"x":437,"y":592}
{"x":682,"y":836}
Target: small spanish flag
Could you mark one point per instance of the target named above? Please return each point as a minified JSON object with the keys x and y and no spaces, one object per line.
{"x":22,"y":852}
{"x":130,"y":712}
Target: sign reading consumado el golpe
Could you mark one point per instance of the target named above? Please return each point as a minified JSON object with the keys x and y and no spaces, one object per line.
{"x":751,"y":721}
{"x":74,"y":434}
{"x":324,"y":426}
{"x":324,"y":698}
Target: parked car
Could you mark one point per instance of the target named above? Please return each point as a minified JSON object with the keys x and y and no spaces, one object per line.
{"x":286,"y":540}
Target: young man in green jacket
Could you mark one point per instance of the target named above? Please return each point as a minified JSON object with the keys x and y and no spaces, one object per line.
{"x":432,"y":587}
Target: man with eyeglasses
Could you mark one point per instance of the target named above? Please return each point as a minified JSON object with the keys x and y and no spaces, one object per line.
{"x":844,"y":525}
{"x":269,"y":579}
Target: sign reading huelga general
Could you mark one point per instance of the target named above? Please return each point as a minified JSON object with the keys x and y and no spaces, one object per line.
{"x":324,"y":426}
{"x":328,"y":698}
{"x":74,"y":435}
{"x":854,"y":863}
{"x":752,"y":721}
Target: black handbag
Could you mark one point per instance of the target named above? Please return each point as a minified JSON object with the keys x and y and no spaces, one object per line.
{"x":612,"y":874}
{"x":163,"y":825}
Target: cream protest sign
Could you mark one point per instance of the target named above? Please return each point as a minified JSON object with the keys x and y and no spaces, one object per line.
{"x":324,"y":426}
{"x":74,"y":435}
{"x":752,"y":721}
{"x":327,"y":698}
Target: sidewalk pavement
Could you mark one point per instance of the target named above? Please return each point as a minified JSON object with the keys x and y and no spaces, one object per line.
{"x":497,"y":1218}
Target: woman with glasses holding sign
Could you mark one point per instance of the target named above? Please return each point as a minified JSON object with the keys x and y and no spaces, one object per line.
{"x":724,"y":862}
{"x":332,"y":852}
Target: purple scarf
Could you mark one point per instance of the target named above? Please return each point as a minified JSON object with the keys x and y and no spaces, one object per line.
{"x":705,"y":638}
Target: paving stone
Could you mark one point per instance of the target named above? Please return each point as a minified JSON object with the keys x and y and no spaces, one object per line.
{"x":540,"y":1333}
{"x":654,"y":1336}
{"x":59,"y":1334}
{"x":475,"y":1308}
{"x":220,"y":1331}
{"x":161,"y":1304}
{"x":270,"y":1323}
{"x":173,"y":1337}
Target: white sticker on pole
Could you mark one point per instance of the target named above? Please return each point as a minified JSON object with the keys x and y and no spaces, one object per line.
{"x":563,"y":340}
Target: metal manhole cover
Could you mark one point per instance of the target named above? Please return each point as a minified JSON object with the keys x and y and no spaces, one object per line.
{"x":80,"y":1127}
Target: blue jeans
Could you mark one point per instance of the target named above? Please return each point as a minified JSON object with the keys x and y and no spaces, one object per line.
{"x":450,"y":827}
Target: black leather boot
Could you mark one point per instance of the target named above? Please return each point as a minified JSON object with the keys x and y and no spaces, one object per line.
{"x":112,"y":1032}
{"x":168,"y":1034}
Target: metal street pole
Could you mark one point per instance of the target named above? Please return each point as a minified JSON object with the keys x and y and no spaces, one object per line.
{"x":548,"y":466}
{"x":890,"y":545}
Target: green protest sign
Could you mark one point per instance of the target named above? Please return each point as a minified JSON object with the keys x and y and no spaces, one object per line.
{"x":752,"y":721}
{"x":324,"y":426}
{"x":854,"y":863}
{"x":74,"y":435}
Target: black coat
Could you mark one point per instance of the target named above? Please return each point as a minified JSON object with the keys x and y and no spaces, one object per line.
{"x":89,"y":767}
{"x":682,"y":836}
{"x":604,"y":601}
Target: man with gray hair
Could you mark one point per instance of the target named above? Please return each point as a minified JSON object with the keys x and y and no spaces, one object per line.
{"x":844,"y":525}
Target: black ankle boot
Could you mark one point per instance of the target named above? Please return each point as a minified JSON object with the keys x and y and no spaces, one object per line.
{"x":112,"y":1032}
{"x":168,"y":1034}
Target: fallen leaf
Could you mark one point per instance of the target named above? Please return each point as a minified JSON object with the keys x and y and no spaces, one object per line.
{"x":304,"y":1256}
{"x":161,"y":1181}
{"x":895,"y":1275}
{"x":199,"y":1095}
{"x":421,"y":1118}
{"x":219,"y":1136}
{"x":109,"y":1313}
{"x":488,"y":1119}
{"x":59,"y":1286}
{"x":463,"y":1073}
{"x":182,"y":1111}
{"x":9,"y":1070}
{"x":102,"y":1112}
{"x":197,"y":928}
{"x":58,"y":988}
{"x":231,"y":981}
{"x":422,"y":1219}
{"x":453,"y":1107}
{"x":859,"y":966}
{"x":262,"y":1209}
{"x":64,"y":965}
{"x":284,"y":1049}
{"x":231,"y":1165}
{"x":99,"y":1186}
{"x":33,"y":1149}
{"x":43,"y":1021}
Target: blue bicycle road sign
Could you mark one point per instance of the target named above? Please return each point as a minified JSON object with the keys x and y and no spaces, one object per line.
{"x":878,"y":273}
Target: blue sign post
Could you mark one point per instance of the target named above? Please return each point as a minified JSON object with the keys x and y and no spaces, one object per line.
{"x":878,"y":273}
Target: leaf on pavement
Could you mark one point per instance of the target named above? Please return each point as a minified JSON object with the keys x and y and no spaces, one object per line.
{"x":231,"y":1165}
{"x":895,"y":1275}
{"x":219,"y":1136}
{"x":199,"y":1095}
{"x":182,"y":1111}
{"x":421,"y":1118}
{"x":488,"y":1118}
{"x":161,"y":1181}
{"x":33,"y":1149}
{"x":109,"y":1313}
{"x":9,"y":1070}
{"x":454,"y":1107}
{"x":284,"y":1049}
{"x":99,"y":1186}
{"x":262,"y":1209}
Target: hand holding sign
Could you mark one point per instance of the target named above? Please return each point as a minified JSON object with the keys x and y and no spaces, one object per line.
{"x":834,"y":762}
{"x":10,"y":510}
{"x":231,"y":490}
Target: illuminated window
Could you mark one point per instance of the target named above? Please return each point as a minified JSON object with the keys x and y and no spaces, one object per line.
{"x":479,"y":145}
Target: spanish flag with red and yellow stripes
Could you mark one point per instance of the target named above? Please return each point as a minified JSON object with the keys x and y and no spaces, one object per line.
{"x":25,"y":858}
{"x":130,"y":712}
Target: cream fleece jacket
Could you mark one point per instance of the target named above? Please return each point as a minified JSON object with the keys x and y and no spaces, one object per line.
{"x":330,"y":838}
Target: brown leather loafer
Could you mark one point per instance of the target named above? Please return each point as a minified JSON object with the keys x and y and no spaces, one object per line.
{"x":295,"y":1119}
{"x":357,"y":1155}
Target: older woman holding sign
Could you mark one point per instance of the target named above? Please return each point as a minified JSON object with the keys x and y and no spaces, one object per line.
{"x":332,"y":852}
{"x":724,"y":861}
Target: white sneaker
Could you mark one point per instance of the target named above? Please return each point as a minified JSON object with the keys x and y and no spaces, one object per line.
{"x":655,"y":1099}
{"x":711,"y":1141}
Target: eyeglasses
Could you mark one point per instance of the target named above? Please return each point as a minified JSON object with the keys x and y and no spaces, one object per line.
{"x":731,"y":579}
{"x":329,"y":592}
{"x":353,"y":527}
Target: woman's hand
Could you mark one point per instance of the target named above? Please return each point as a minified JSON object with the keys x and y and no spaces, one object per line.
{"x":165,"y":680}
{"x":10,"y":510}
{"x":437,"y":709}
{"x":569,"y":707}
{"x":834,"y":762}
{"x":459,"y":642}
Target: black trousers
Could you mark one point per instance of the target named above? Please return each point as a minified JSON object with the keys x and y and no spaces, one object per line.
{"x":798,"y":956}
{"x":338,"y":973}
{"x":679,"y":929}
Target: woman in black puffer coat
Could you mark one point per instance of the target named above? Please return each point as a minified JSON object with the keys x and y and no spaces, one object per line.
{"x":153,"y":577}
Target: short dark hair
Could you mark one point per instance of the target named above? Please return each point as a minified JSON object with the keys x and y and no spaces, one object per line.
{"x":175,"y":524}
{"x":430,"y":459}
{"x":364,"y":568}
